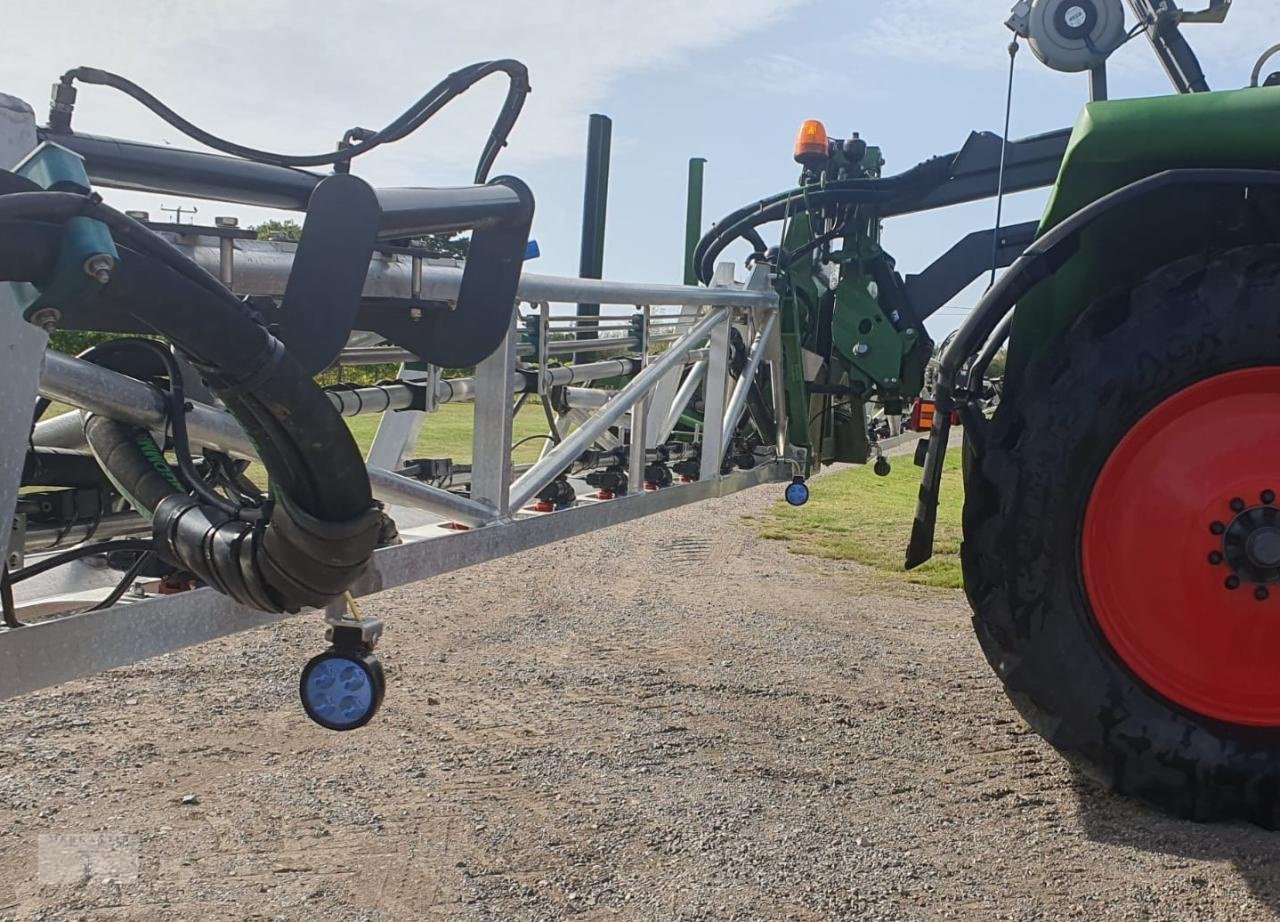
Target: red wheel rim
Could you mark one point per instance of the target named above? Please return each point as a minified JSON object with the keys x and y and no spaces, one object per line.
{"x":1162,"y":541}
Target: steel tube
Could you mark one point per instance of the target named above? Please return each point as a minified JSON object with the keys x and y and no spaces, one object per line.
{"x":595,"y":198}
{"x":394,"y":488}
{"x":128,"y":400}
{"x":109,"y":393}
{"x":550,"y":466}
{"x":41,"y":538}
{"x":688,"y":387}
{"x":120,"y":164}
{"x":738,"y":402}
{"x":262,"y":268}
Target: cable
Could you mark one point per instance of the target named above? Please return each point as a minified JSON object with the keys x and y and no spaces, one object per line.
{"x":77,"y":552}
{"x":448,"y":89}
{"x":1004,"y":150}
{"x":125,"y":582}
{"x":530,"y":438}
{"x":6,"y":598}
{"x":178,"y":422}
{"x":846,"y":192}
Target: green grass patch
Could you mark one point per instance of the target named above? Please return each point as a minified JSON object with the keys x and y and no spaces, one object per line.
{"x":855,"y":515}
{"x":447,"y":432}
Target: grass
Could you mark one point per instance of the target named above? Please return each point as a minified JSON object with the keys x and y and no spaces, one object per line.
{"x":855,"y":515}
{"x":445,"y":434}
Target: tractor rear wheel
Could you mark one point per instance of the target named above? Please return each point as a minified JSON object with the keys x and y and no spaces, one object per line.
{"x":1122,"y":539}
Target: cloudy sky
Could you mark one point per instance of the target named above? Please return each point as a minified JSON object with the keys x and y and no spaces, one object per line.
{"x":728,"y":80}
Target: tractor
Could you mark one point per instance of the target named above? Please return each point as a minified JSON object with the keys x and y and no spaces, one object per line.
{"x":1121,"y":546}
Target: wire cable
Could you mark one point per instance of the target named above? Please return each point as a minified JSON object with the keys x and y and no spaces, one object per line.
{"x":125,"y":582}
{"x":413,"y":118}
{"x":1004,"y":151}
{"x":178,"y":424}
{"x":76,"y":553}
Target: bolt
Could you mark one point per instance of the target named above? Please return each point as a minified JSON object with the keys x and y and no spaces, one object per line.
{"x":1232,"y":582}
{"x":1261,"y":594}
{"x":1215,"y":557}
{"x":415,"y":313}
{"x":47,"y":318}
{"x":139,"y":591}
{"x":1237,"y":505}
{"x":1217,"y":528}
{"x":99,"y":267}
{"x":1268,"y":496}
{"x":226,"y":221}
{"x":861,"y":349}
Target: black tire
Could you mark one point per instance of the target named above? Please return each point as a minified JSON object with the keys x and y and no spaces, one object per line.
{"x":1026,"y":493}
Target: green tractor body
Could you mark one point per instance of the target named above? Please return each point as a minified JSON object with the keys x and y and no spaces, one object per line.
{"x":1118,"y":142}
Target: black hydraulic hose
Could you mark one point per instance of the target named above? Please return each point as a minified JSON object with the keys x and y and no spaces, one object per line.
{"x":76,"y":553}
{"x":324,"y":525}
{"x":57,"y":467}
{"x":126,"y":580}
{"x":407,"y":122}
{"x":913,"y":183}
{"x":59,"y":206}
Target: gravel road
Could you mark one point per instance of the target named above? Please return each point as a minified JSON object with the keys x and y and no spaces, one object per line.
{"x":670,"y":720}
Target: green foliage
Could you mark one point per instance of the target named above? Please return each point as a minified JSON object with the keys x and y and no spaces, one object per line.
{"x":443,"y":246}
{"x":855,"y":515}
{"x":278,"y":230}
{"x":73,"y":342}
{"x":439,"y":246}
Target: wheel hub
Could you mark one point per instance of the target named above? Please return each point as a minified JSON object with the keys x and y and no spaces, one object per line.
{"x":1206,"y":637}
{"x":1251,"y":544}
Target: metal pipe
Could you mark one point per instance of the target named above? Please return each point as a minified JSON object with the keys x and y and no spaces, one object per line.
{"x":262,"y":268}
{"x":550,"y":466}
{"x":41,"y":538}
{"x":121,"y":164}
{"x":688,"y":387}
{"x":409,"y":212}
{"x":693,"y":218}
{"x":738,"y":402}
{"x":595,"y":200}
{"x":374,"y":355}
{"x":118,"y":396}
{"x":402,"y":491}
{"x":109,"y":393}
{"x":586,"y":398}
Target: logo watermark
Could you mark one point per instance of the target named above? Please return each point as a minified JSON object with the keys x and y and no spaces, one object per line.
{"x":72,"y":859}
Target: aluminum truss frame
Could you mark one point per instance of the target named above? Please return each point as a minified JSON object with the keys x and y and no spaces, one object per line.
{"x":696,"y":351}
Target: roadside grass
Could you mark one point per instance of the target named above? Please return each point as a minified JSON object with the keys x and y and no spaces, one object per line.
{"x":855,"y":515}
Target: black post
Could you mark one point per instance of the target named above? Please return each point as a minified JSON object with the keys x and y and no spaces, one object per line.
{"x":595,"y":198}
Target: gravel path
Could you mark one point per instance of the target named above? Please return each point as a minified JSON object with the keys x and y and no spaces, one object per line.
{"x":636,"y":726}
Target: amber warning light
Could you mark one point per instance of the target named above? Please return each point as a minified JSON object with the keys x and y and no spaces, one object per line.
{"x":811,"y":143}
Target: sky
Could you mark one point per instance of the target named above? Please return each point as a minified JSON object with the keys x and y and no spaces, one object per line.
{"x":728,"y":80}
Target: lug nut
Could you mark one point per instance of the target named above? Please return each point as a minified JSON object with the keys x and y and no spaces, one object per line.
{"x":1232,"y":582}
{"x":1215,"y":557}
{"x":1217,"y":528}
{"x":1261,"y":594}
{"x":1237,"y":505}
{"x":1268,"y":496}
